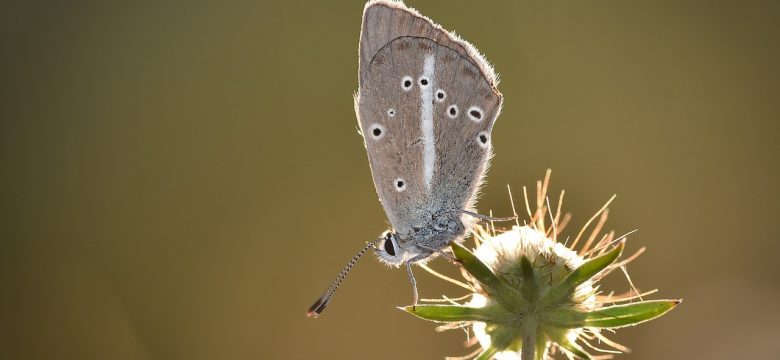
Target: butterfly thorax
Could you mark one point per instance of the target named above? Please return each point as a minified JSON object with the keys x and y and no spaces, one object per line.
{"x":425,"y":241}
{"x":437,"y":233}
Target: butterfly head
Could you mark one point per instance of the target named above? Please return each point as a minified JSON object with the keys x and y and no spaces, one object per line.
{"x":389,"y":249}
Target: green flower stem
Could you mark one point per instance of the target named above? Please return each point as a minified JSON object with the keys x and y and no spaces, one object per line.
{"x":529,"y":340}
{"x":541,"y":345}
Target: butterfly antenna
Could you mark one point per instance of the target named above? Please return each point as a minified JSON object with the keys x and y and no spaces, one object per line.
{"x":319,"y":306}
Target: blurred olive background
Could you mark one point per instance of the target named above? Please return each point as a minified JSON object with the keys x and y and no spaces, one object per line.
{"x":180,"y":180}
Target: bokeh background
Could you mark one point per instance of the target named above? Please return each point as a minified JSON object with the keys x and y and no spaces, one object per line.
{"x":180,"y":180}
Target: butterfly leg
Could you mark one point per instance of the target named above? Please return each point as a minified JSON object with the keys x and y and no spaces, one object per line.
{"x":411,"y":275}
{"x":488,"y":218}
{"x":414,"y":283}
{"x":440,"y":251}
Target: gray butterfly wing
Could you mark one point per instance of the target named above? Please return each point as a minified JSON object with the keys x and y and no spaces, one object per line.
{"x":426,"y":106}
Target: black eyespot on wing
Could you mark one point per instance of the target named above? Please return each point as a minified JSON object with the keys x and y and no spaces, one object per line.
{"x":440,"y":95}
{"x":389,"y":248}
{"x":400,"y":184}
{"x":452,"y":111}
{"x":406,"y":83}
{"x":483,"y":138}
{"x":391,"y":112}
{"x":424,"y":82}
{"x":377,"y":131}
{"x":475,"y":113}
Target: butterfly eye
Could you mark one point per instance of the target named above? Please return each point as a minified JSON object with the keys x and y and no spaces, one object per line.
{"x":406,"y":83}
{"x":475,"y":113}
{"x":388,"y":246}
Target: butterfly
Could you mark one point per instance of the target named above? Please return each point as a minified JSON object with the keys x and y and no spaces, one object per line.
{"x":426,"y":105}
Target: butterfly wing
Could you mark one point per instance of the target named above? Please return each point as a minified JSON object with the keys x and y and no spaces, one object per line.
{"x":426,"y":106}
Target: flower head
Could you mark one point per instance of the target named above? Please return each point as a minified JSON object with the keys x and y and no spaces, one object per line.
{"x":533,"y":296}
